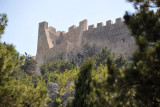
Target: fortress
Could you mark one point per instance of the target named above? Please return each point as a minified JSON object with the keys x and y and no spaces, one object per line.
{"x":81,"y":42}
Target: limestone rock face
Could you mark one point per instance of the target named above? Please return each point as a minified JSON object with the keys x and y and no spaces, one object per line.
{"x":53,"y":90}
{"x":67,"y":97}
{"x":53,"y":94}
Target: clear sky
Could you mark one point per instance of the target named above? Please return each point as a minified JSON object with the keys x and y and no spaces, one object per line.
{"x":24,"y":16}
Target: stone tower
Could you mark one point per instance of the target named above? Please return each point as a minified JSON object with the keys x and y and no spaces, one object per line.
{"x":54,"y":44}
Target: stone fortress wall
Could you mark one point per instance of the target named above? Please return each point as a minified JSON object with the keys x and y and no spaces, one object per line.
{"x":59,"y":44}
{"x":115,"y":36}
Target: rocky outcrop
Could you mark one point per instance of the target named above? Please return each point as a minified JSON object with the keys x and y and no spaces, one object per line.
{"x":53,"y":90}
{"x":53,"y":93}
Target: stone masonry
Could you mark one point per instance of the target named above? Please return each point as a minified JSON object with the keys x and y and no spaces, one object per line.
{"x":54,"y":44}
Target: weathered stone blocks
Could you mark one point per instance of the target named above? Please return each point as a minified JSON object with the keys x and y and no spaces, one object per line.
{"x":109,"y":23}
{"x":52,"y":44}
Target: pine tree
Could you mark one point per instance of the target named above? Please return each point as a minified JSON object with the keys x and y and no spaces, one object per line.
{"x":3,"y":23}
{"x":83,"y":93}
{"x":137,"y":85}
{"x":14,"y":92}
{"x":29,"y":65}
{"x":142,"y":79}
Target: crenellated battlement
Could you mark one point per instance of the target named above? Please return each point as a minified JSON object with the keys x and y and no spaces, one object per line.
{"x":71,"y":28}
{"x":74,"y":30}
{"x":55,"y":44}
{"x":90,"y":27}
{"x":119,"y":20}
{"x":58,"y":33}
{"x":43,"y":24}
{"x":52,"y":29}
{"x":108,"y":25}
{"x":99,"y":25}
{"x":81,"y":23}
{"x":62,"y":32}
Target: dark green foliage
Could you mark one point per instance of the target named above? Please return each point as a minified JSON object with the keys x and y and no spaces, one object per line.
{"x":14,"y":91}
{"x":9,"y":60}
{"x":65,"y":80}
{"x":145,"y":23}
{"x":142,"y":79}
{"x":146,"y":3}
{"x":120,"y":61}
{"x":138,"y":84}
{"x":107,"y":85}
{"x":105,"y":54}
{"x":64,"y":74}
{"x":57,"y":65}
{"x":3,"y":23}
{"x":29,"y":64}
{"x":107,"y":82}
{"x":97,"y":88}
{"x":83,"y":89}
{"x":102,"y":57}
{"x":50,"y":69}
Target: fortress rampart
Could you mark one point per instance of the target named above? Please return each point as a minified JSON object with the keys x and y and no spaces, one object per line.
{"x":59,"y":44}
{"x":115,"y":36}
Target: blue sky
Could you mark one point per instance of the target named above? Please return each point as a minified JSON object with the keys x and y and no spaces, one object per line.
{"x":24,"y":16}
